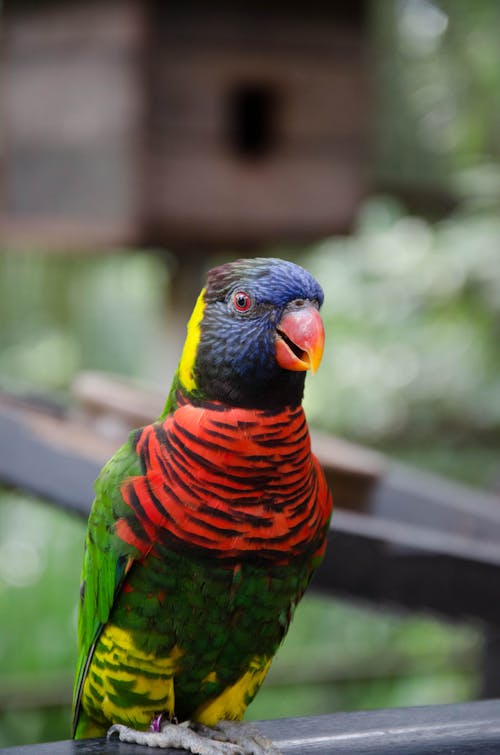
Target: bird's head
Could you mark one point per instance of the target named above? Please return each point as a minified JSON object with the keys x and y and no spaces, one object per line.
{"x":253,"y":334}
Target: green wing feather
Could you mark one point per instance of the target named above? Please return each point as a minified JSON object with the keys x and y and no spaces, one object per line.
{"x":107,"y":560}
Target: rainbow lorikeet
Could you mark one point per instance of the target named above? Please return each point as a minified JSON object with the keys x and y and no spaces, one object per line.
{"x":207,"y":524}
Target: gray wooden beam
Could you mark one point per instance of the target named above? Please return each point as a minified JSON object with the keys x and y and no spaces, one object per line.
{"x":55,"y":472}
{"x":464,"y":729}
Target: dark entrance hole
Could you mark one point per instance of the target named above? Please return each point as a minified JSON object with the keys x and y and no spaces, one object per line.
{"x":252,"y":120}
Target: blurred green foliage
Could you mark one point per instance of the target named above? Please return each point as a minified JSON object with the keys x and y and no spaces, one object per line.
{"x":60,"y":314}
{"x":40,"y":554}
{"x":437,"y":116}
{"x":412,"y":310}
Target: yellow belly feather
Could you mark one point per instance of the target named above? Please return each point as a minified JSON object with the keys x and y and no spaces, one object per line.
{"x":232,"y":703}
{"x":119,"y":664}
{"x":127,"y":685}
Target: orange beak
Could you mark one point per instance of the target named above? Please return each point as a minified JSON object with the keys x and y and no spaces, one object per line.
{"x":300,"y":339}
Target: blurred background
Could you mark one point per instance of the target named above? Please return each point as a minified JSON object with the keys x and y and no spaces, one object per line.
{"x":141,"y":143}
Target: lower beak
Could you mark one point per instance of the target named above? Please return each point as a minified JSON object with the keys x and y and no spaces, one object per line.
{"x":300,"y":339}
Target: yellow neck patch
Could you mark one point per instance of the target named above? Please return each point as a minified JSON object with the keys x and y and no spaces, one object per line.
{"x":186,"y":365}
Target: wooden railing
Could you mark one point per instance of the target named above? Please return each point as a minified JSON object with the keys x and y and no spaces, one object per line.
{"x":463,"y":729}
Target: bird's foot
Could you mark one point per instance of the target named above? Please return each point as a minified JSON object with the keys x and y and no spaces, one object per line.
{"x":226,"y":738}
{"x":244,"y":736}
{"x":179,"y":736}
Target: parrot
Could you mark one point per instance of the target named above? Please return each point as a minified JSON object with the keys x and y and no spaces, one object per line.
{"x":207,"y":525}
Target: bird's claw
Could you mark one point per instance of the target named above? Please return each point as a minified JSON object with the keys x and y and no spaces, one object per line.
{"x":179,"y":736}
{"x":245,"y":736}
{"x":226,"y":738}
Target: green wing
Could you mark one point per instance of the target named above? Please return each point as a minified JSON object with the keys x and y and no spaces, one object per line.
{"x":107,"y":559}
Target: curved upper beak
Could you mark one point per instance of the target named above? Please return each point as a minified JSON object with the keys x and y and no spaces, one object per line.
{"x":300,"y":339}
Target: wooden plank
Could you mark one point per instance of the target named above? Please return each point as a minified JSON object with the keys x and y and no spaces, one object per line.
{"x":490,"y":676}
{"x":249,"y":202}
{"x":30,"y":462}
{"x":402,"y":566}
{"x":417,"y":497}
{"x":461,"y":729}
{"x":73,"y":105}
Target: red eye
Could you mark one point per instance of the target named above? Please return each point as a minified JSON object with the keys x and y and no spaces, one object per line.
{"x":242,"y":301}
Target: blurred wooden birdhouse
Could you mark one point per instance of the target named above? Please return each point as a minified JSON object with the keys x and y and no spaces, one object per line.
{"x":184,"y":124}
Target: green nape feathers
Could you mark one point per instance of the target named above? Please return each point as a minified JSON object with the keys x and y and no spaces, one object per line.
{"x":208,"y":524}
